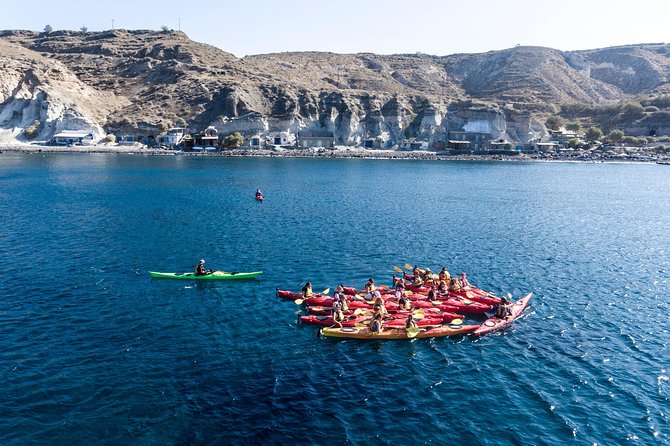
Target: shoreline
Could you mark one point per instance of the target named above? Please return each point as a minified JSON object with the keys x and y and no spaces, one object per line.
{"x":338,"y":152}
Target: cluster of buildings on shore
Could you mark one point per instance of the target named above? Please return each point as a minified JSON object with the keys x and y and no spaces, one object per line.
{"x":462,"y":131}
{"x":210,"y":139}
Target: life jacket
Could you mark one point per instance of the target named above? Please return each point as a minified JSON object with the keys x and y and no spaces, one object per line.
{"x":307,"y":291}
{"x":502,"y":311}
{"x":200,"y":270}
{"x":376,"y":325}
{"x":444,"y":276}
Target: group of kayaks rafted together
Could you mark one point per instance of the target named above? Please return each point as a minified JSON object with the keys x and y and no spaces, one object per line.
{"x":418,"y":305}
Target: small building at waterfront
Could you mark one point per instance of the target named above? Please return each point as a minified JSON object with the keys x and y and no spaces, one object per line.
{"x":173,"y":137}
{"x":458,"y":145}
{"x":256,"y":141}
{"x":72,"y":138}
{"x":316,"y":139}
{"x":208,"y":138}
{"x":280,"y":138}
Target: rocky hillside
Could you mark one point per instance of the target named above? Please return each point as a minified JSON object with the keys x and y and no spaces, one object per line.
{"x":145,"y":82}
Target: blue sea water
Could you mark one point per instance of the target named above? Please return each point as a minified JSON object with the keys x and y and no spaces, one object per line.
{"x":94,"y":351}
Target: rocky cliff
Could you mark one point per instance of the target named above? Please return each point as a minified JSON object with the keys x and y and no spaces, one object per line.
{"x":143,"y":82}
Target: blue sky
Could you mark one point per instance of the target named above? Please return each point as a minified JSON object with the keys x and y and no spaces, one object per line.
{"x":438,"y":27}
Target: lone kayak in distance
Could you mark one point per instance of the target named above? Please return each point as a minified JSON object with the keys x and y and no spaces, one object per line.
{"x":216,"y":275}
{"x":259,"y":195}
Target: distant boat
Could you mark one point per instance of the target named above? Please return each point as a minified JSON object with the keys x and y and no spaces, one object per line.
{"x":260,"y":197}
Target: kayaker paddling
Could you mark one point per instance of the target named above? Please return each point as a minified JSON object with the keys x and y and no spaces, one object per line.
{"x":307,"y":290}
{"x":200,"y":269}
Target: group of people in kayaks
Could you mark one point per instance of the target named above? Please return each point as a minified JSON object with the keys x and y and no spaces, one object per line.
{"x":439,"y":287}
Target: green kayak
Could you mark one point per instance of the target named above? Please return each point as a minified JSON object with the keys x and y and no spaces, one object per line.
{"x":216,"y":275}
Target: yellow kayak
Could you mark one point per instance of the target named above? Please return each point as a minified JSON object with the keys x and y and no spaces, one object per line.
{"x":397,"y":333}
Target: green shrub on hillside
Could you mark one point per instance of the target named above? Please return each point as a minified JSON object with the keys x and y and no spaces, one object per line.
{"x":574,"y":126}
{"x":554,"y":122}
{"x":235,"y":139}
{"x":32,"y":130}
{"x":615,"y":136}
{"x":593,"y":134}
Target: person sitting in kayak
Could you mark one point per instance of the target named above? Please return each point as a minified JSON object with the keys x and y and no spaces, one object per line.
{"x":455,"y":285}
{"x":377,"y":323}
{"x":427,"y":276}
{"x":307,"y":290}
{"x":404,"y":302}
{"x":200,"y":269}
{"x":444,"y":275}
{"x":399,"y":289}
{"x":502,"y":310}
{"x":379,"y":305}
{"x":431,"y":294}
{"x":442,"y":288}
{"x":370,"y":286}
{"x":259,"y":194}
{"x":418,"y":281}
{"x":338,"y":314}
{"x":410,"y":322}
{"x":464,"y":281}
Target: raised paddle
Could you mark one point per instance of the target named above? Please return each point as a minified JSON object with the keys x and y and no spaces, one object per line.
{"x":408,"y":267}
{"x":398,"y":269}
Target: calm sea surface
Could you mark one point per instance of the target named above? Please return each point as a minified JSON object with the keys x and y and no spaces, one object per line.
{"x":93,"y":351}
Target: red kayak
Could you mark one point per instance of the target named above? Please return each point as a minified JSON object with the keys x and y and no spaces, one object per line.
{"x":351,"y":321}
{"x":259,"y":197}
{"x":495,"y":323}
{"x":477,"y":295}
{"x":400,"y":322}
{"x":290,"y":295}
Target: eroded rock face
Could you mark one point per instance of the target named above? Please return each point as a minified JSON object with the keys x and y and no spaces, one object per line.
{"x":44,"y":94}
{"x":145,"y":82}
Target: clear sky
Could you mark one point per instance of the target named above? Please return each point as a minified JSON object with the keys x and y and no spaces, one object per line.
{"x":437,"y":27}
